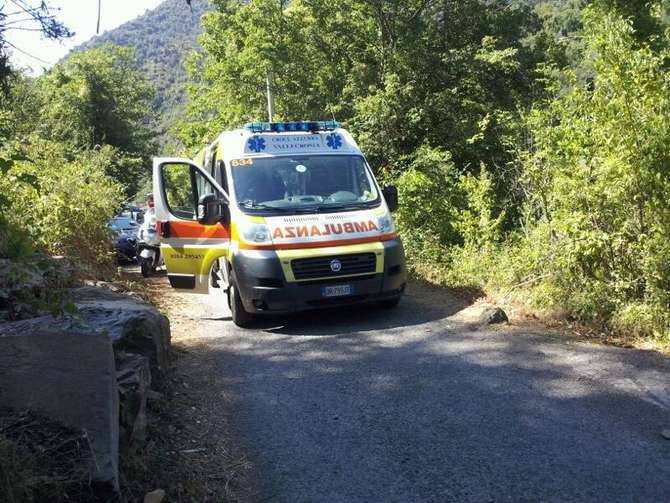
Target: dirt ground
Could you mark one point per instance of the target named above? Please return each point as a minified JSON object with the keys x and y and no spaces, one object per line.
{"x":192,"y":454}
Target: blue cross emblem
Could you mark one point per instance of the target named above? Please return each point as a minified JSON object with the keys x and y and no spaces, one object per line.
{"x":334,"y":141}
{"x":256,"y":144}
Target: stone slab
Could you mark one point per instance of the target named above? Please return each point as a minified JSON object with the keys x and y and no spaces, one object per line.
{"x":66,"y":371}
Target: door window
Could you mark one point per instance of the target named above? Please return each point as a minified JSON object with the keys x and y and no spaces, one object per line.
{"x":184,"y":185}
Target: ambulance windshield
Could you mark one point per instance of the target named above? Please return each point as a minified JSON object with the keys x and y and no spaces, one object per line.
{"x":304,"y":183}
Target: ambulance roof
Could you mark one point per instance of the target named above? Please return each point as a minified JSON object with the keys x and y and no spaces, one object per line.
{"x":264,"y":139}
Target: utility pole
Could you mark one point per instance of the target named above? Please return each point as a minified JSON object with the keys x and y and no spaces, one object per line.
{"x":268,"y":78}
{"x":271,"y":98}
{"x":97,"y":29}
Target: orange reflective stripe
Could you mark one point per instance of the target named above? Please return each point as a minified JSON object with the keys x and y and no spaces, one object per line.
{"x":319,"y":244}
{"x":181,"y":229}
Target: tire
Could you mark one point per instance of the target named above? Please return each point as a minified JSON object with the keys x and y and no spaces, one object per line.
{"x":390,"y":303}
{"x":240,"y":317}
{"x":146,"y":265}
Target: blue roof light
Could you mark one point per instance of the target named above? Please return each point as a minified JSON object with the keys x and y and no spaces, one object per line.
{"x":280,"y":127}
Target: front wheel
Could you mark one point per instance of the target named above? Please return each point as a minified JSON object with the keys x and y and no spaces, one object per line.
{"x":240,"y":317}
{"x":146,"y":265}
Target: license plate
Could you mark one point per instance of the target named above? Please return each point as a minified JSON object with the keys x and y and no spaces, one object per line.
{"x":337,"y":291}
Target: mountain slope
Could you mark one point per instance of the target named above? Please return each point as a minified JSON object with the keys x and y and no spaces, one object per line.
{"x":162,"y":39}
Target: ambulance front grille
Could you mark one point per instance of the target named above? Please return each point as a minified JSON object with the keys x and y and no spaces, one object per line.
{"x":320,"y":267}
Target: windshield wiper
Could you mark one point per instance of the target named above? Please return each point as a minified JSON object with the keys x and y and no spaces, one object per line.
{"x":250,"y":203}
{"x":253,"y":205}
{"x":321,"y":208}
{"x":341,"y":207}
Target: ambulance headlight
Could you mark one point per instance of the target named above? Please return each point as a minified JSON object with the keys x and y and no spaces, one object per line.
{"x":255,"y":233}
{"x":385,"y":224}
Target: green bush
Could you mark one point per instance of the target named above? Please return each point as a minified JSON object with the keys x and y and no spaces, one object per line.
{"x":476,"y":222}
{"x":430,"y":196}
{"x":70,"y":143}
{"x":595,"y":235}
{"x":68,"y":209}
{"x":14,"y":242}
{"x":644,"y":320}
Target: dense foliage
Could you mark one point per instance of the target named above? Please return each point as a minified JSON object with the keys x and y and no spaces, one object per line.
{"x":73,"y":144}
{"x":528,"y":138}
{"x":598,"y":180}
{"x":100,"y":98}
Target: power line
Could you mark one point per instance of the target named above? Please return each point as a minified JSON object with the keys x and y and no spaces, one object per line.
{"x":26,"y":53}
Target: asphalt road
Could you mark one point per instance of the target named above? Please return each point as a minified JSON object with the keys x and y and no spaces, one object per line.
{"x":412,"y":405}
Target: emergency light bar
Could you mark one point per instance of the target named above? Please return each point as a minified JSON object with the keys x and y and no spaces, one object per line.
{"x":283,"y":127}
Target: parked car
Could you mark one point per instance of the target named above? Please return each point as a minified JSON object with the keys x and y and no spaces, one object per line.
{"x":124,"y":231}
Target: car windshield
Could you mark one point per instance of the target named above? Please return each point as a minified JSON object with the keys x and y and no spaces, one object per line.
{"x":309,"y":183}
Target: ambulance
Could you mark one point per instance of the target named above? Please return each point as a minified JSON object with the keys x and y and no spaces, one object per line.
{"x":284,"y":217}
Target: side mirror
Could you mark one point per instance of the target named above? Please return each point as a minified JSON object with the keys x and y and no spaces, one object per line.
{"x":211,"y":210}
{"x":390,"y":194}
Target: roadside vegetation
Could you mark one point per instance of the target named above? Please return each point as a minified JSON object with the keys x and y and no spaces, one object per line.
{"x":74,"y":144}
{"x":529,"y":139}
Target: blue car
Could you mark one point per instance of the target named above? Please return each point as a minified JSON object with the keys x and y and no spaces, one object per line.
{"x":124,"y":229}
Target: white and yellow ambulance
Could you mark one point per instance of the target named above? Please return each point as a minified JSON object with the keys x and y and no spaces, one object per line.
{"x":283,"y":216}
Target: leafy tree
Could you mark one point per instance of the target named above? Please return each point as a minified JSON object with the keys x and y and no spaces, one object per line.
{"x":431,"y":182}
{"x":99,"y":98}
{"x":597,"y":177}
{"x":161,"y":39}
{"x":242,"y":43}
{"x":69,"y":143}
{"x":448,"y":75}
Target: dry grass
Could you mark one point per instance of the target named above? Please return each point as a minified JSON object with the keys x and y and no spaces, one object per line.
{"x":42,"y":460}
{"x":521,"y":313}
{"x":191,"y":452}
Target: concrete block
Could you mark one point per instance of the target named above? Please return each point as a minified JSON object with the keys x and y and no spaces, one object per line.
{"x":66,"y":371}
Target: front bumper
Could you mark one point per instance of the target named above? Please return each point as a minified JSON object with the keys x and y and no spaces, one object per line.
{"x":264,"y":289}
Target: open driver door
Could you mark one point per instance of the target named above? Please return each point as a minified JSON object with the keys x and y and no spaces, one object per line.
{"x":193,"y":219}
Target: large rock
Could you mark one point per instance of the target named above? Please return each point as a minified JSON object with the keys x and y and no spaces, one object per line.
{"x":480,"y":314}
{"x":65,"y":370}
{"x":134,"y":326}
{"x":492,"y":315}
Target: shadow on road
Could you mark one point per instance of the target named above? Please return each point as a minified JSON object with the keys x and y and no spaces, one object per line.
{"x":410,"y":406}
{"x":444,"y":415}
{"x":422,"y":303}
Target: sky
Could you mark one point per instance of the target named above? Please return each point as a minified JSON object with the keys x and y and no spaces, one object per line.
{"x":81,"y":17}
